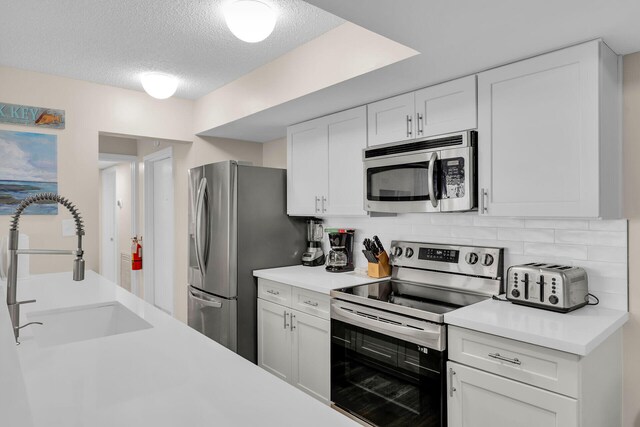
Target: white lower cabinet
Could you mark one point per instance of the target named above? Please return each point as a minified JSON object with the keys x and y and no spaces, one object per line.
{"x":495,"y":381}
{"x":481,"y":399}
{"x":295,"y":345}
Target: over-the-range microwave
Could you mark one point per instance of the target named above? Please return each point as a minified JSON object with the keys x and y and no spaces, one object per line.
{"x":436,"y":174}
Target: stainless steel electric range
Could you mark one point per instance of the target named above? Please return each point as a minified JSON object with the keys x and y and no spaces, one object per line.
{"x":388,"y":339}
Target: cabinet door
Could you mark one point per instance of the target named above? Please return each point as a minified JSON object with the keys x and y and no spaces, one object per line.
{"x":311,"y":368}
{"x":538,"y":135}
{"x":447,"y":107}
{"x":274,"y":339}
{"x":307,"y":169}
{"x":480,"y":399}
{"x":391,"y":119}
{"x":347,"y":138}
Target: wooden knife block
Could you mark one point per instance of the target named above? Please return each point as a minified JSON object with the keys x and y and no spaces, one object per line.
{"x":381,"y":269}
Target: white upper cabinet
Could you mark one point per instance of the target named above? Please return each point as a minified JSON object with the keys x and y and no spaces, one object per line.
{"x":325,"y":165}
{"x":548,"y":135}
{"x":391,"y":120}
{"x":435,"y":110}
{"x":447,"y":107}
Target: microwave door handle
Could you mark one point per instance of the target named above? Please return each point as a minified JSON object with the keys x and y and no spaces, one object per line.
{"x":199,"y":206}
{"x":431,"y":178}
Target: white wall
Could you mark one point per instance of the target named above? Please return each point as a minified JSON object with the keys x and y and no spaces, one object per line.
{"x":274,"y":154}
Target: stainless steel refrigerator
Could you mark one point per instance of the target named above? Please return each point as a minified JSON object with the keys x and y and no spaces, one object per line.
{"x":237,"y":223}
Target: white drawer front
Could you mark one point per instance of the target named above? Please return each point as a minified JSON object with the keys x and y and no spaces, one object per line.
{"x":274,"y":291}
{"x":538,"y":366}
{"x":314,"y":303}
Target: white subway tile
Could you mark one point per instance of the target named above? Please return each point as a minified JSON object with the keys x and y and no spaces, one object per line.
{"x":474,"y":232}
{"x":558,"y":224}
{"x":608,"y":238}
{"x":613,"y":301}
{"x":485,"y":221}
{"x":447,"y":240}
{"x":526,"y":235}
{"x":514,"y":248}
{"x":608,"y":225}
{"x":616,"y":270}
{"x":547,"y":251}
{"x":431,"y":230}
{"x":578,"y":237}
{"x":607,"y":284}
{"x":452,"y":219}
{"x":607,"y":253}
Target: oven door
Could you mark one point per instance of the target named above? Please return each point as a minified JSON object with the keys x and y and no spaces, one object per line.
{"x":386,"y":380}
{"x":402,"y":183}
{"x":457,"y":179}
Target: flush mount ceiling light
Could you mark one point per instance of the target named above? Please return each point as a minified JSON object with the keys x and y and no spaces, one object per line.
{"x":159,"y":85}
{"x":250,"y":20}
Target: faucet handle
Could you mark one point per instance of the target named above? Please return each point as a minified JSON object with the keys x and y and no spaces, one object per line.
{"x":29,"y":301}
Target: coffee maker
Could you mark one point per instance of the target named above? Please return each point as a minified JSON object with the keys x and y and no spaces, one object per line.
{"x":340,"y":257}
{"x":314,"y":256}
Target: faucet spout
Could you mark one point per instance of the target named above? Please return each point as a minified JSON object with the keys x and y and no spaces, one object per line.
{"x":12,"y":273}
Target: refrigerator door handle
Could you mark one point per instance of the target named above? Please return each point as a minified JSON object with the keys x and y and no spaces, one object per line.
{"x":202,"y":187}
{"x":206,"y":301}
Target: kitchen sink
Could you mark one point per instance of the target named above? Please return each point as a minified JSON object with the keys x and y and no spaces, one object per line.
{"x":67,"y":325}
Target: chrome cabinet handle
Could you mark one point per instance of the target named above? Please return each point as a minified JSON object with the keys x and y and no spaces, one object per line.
{"x":419,"y":122}
{"x":311,"y":303}
{"x":272,"y":292}
{"x":515,"y":360}
{"x":293,"y":316}
{"x":317,"y":200}
{"x":430,"y":179}
{"x":324,"y":199}
{"x":483,"y":206}
{"x":409,"y":131}
{"x":451,"y":387}
{"x":286,"y":325}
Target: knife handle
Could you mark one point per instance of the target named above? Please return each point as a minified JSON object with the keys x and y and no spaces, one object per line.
{"x":378,"y":243}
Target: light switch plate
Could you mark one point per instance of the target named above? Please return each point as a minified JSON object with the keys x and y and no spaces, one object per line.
{"x":68,"y":227}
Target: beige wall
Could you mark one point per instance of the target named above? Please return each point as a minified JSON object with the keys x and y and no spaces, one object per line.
{"x":123,"y":216}
{"x":631,"y":132}
{"x":90,"y":109}
{"x":274,"y":154}
{"x":117,"y":145}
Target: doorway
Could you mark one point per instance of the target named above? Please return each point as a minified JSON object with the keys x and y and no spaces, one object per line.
{"x":118,"y":218}
{"x":159,"y":253}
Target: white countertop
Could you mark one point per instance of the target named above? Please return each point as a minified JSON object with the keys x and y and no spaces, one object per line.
{"x":168,"y":375}
{"x":315,"y":278}
{"x":577,"y":332}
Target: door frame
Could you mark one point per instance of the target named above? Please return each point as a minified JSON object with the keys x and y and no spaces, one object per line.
{"x":148,"y":257}
{"x":133,"y":162}
{"x":111,"y":170}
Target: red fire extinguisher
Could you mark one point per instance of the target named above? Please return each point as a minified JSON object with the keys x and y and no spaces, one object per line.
{"x":136,"y":253}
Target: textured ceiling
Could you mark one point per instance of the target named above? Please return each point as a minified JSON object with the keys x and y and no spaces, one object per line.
{"x":112,"y":42}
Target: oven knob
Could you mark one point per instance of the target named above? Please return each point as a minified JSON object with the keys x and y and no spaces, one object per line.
{"x":397,"y":251}
{"x":515,"y":293}
{"x":553,"y":299}
{"x":472,"y":258}
{"x":487,"y":260}
{"x":408,"y":252}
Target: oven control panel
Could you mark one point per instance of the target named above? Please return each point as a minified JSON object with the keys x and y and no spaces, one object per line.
{"x":474,"y":260}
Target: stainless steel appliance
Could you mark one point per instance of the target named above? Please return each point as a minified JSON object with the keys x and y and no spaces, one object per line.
{"x":340,"y":257}
{"x":388,"y":339}
{"x":314,"y":256}
{"x":237,"y":223}
{"x":436,"y":174}
{"x":550,"y":286}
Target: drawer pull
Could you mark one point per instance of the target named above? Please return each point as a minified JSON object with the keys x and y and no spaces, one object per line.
{"x":272,"y":292}
{"x":311,"y":303}
{"x":515,"y":360}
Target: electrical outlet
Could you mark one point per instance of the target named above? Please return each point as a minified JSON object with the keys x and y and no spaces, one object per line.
{"x":68,"y":227}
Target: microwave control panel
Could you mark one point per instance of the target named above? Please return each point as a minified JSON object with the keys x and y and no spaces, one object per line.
{"x":453,"y":176}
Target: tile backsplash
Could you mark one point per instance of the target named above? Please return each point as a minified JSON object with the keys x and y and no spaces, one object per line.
{"x":600,"y":247}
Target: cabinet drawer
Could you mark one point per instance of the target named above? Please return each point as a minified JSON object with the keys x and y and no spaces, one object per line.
{"x":314,"y":303}
{"x":549,"y":369}
{"x":274,"y":291}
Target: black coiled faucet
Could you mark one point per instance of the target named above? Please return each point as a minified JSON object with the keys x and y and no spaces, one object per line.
{"x":12,"y":273}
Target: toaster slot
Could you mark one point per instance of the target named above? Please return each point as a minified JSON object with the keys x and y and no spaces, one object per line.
{"x":541,"y":284}
{"x":526,"y":285}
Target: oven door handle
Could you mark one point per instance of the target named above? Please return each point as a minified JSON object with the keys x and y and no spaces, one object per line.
{"x":412,"y":334}
{"x":431,"y":179}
